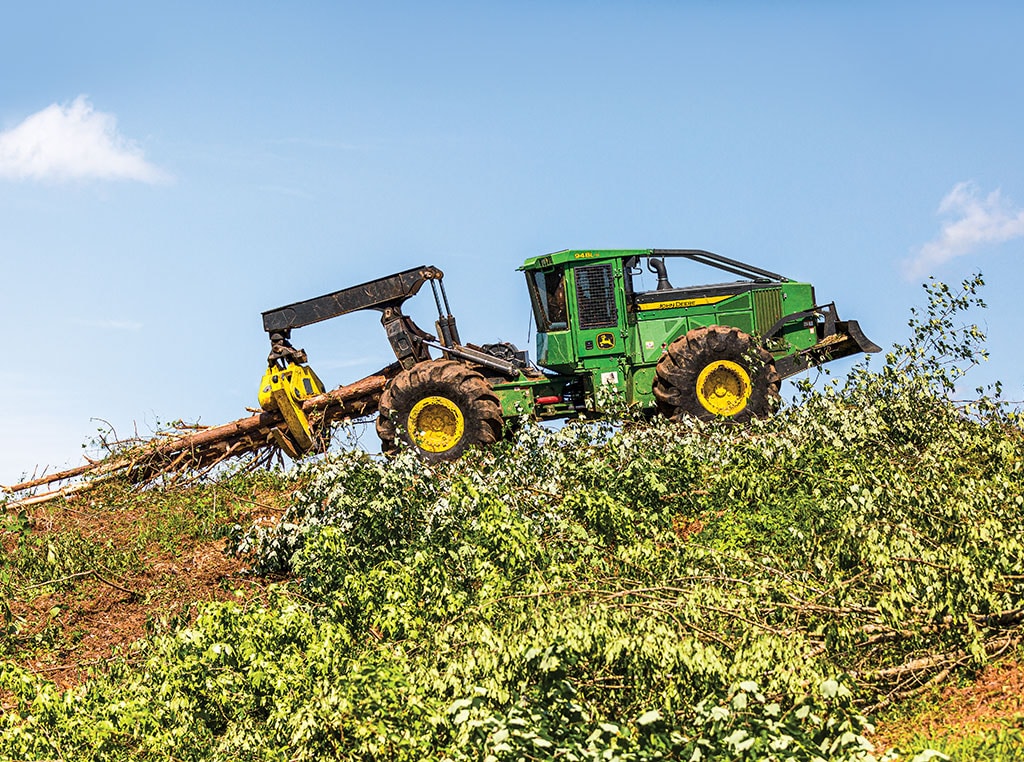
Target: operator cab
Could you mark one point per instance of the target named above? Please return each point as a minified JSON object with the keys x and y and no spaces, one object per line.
{"x":578,"y":306}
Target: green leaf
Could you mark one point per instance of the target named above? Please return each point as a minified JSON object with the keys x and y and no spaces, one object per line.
{"x":648,"y":717}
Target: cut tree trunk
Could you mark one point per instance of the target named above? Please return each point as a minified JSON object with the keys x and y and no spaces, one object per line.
{"x":170,"y":455}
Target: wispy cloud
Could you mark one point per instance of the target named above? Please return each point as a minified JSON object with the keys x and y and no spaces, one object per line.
{"x":972,"y":221}
{"x":73,"y":142}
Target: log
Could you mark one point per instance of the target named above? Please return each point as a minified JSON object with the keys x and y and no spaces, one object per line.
{"x":166,"y":455}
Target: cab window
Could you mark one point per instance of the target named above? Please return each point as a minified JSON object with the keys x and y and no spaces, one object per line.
{"x":547,"y":292}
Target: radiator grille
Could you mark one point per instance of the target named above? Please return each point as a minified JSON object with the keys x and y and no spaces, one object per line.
{"x":595,"y":297}
{"x":767,"y":307}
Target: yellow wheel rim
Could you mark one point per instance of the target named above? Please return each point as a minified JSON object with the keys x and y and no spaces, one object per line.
{"x":436,"y":424}
{"x":723,"y":388}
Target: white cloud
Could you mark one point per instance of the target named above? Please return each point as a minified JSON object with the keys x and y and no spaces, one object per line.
{"x":971,"y":222}
{"x":72,"y":142}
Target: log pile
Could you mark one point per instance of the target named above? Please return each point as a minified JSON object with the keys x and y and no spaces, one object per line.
{"x":169,"y":457}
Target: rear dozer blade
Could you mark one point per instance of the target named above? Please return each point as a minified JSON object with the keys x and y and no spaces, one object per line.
{"x":851,"y":341}
{"x":847,"y":340}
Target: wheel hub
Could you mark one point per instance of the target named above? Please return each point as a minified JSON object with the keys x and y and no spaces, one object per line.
{"x":723,"y":388}
{"x":436,"y":424}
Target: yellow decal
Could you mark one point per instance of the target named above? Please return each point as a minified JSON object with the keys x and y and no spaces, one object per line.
{"x":582,"y":255}
{"x":605,"y":340}
{"x":681,"y":303}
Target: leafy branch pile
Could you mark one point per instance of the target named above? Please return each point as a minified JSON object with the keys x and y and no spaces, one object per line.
{"x":636,"y":591}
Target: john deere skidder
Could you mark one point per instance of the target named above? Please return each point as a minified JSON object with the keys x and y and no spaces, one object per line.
{"x":709,"y":351}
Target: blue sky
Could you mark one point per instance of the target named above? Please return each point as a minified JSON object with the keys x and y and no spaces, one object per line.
{"x":170,"y":170}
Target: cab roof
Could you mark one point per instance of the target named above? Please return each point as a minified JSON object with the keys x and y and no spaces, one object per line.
{"x":575,"y":255}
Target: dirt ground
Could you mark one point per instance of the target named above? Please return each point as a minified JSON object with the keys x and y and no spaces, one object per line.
{"x":100,"y":619}
{"x":95,"y":614}
{"x":993,"y":699}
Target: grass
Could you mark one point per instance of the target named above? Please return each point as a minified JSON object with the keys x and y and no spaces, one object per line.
{"x":1000,"y":744}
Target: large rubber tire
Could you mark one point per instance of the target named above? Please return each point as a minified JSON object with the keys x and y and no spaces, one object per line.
{"x":439,"y":408}
{"x":716,"y":372}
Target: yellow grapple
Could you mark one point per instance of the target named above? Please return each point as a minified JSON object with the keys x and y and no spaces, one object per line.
{"x":284,"y":390}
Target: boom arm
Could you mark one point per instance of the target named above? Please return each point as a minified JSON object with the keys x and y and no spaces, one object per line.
{"x":384,"y":294}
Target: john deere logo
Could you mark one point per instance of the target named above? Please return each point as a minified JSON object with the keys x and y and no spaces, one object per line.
{"x":605,"y":340}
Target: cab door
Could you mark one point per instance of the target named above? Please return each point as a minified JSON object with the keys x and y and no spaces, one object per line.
{"x":600,"y":311}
